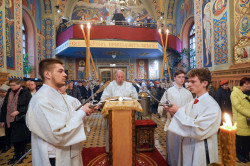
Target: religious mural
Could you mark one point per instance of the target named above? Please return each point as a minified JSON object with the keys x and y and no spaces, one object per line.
{"x":103,"y":10}
{"x":9,"y":30}
{"x":80,"y":67}
{"x":1,"y":39}
{"x":31,"y":5}
{"x":38,"y":15}
{"x":219,"y":6}
{"x":70,"y":69}
{"x":242,"y":50}
{"x":18,"y":32}
{"x":47,"y":6}
{"x":1,"y":2}
{"x":184,"y":9}
{"x":171,"y":6}
{"x":171,"y":28}
{"x":157,"y":9}
{"x":142,"y":68}
{"x":49,"y":41}
{"x":242,"y":19}
{"x":207,"y":32}
{"x":220,"y":40}
{"x":198,"y":32}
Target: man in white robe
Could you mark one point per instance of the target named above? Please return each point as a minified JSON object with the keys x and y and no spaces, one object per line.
{"x":57,"y":129}
{"x":117,"y":88}
{"x":197,"y":122}
{"x":180,"y":96}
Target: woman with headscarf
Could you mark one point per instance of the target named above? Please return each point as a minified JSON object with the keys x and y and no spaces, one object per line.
{"x":241,"y":111}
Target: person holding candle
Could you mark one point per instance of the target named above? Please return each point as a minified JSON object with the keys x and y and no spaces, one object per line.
{"x":241,"y":111}
{"x":181,"y":96}
{"x":197,"y":122}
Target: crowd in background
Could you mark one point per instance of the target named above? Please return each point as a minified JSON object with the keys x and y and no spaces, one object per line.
{"x":15,"y":97}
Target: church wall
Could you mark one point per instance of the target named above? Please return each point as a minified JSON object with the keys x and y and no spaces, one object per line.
{"x":184,"y":9}
{"x":2,"y":37}
{"x":214,"y":20}
{"x":241,"y":19}
{"x":136,"y":68}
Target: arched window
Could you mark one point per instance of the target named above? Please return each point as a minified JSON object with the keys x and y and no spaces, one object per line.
{"x":192,"y":58}
{"x":24,"y":39}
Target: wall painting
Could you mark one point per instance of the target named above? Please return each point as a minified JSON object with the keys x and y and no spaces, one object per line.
{"x":207,"y":33}
{"x":142,"y":68}
{"x":1,"y":40}
{"x":220,"y":40}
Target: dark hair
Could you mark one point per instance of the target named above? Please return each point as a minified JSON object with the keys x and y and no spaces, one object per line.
{"x":179,"y":72}
{"x":244,"y":80}
{"x":203,"y":74}
{"x":15,"y":80}
{"x":47,"y":64}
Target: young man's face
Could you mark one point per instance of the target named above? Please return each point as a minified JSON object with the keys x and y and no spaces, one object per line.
{"x":14,"y":86}
{"x":58,"y":76}
{"x":196,"y":86}
{"x":179,"y":79}
{"x":32,"y":86}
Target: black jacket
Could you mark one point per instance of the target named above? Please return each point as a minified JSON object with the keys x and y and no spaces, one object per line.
{"x":222,"y":97}
{"x":19,"y":132}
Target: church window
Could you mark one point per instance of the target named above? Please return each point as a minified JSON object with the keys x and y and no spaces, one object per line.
{"x":192,"y":46}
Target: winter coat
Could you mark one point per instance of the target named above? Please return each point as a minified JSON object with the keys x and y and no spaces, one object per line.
{"x":19,"y":130}
{"x":241,"y":110}
{"x":222,"y":97}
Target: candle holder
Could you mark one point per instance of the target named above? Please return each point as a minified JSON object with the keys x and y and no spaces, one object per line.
{"x":165,"y":59}
{"x":88,"y":53}
{"x":227,"y":142}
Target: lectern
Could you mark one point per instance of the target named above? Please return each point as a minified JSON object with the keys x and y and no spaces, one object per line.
{"x":121,"y":116}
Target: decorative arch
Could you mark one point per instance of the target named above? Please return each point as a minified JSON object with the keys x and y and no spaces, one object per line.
{"x":186,"y":27}
{"x":30,"y":26}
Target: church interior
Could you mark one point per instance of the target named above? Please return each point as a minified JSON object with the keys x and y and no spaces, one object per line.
{"x":155,"y":39}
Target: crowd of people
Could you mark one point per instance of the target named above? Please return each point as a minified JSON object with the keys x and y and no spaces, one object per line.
{"x":48,"y":116}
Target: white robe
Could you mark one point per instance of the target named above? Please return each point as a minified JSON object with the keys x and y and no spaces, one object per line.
{"x":179,"y":96}
{"x":52,"y":119}
{"x":115,"y":90}
{"x":196,"y":122}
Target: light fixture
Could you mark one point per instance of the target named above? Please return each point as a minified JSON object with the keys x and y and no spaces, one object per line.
{"x":57,"y":9}
{"x":113,"y":56}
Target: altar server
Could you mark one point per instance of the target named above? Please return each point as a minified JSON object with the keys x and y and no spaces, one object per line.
{"x":197,"y":122}
{"x":57,"y":129}
{"x":180,"y":96}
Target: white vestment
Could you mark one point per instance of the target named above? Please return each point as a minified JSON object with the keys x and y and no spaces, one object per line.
{"x":179,"y":96}
{"x":195,"y":123}
{"x":53,"y":121}
{"x":115,"y":90}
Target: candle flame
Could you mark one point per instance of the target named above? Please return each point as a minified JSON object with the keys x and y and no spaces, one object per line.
{"x":228,"y":124}
{"x":88,"y":25}
{"x":159,"y":30}
{"x":167,"y":31}
{"x":82,"y":27}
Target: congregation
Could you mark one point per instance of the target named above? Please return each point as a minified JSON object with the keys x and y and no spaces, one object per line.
{"x":17,"y":103}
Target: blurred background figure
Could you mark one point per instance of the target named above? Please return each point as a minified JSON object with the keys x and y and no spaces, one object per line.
{"x":32,"y":87}
{"x":241,"y":111}
{"x":118,"y":17}
{"x":222,"y":96}
{"x":73,"y":91}
{"x":3,"y":91}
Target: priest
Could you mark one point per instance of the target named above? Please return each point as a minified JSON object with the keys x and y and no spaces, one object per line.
{"x":118,"y":88}
{"x":57,"y":129}
{"x":197,"y":122}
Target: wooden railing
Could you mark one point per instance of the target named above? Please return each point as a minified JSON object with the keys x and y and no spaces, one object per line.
{"x":234,"y":75}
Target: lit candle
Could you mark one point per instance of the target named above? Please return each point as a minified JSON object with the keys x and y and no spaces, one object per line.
{"x":227,"y":142}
